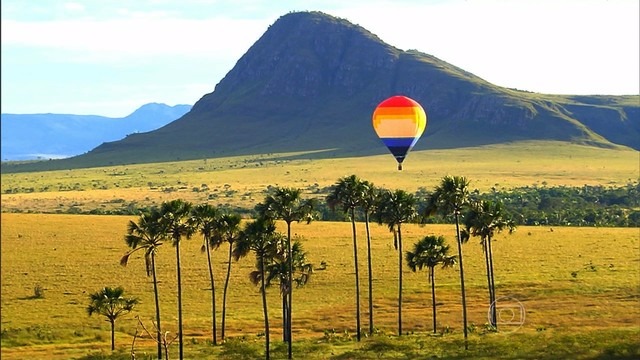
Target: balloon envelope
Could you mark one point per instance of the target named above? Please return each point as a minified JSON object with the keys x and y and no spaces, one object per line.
{"x":399,"y":122}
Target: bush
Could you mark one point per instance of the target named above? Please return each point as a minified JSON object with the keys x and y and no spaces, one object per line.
{"x":38,"y":292}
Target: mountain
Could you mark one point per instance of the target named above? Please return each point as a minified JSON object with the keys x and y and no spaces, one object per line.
{"x":38,"y":136}
{"x":312,"y":81}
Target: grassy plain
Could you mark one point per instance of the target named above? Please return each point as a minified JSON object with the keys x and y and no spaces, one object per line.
{"x":579,"y":287}
{"x":242,"y":181}
{"x":572,"y":282}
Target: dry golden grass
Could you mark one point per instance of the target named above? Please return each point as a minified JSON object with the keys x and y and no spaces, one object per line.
{"x":73,"y":255}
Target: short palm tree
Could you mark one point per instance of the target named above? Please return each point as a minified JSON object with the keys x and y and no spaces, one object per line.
{"x":288,"y":205}
{"x":205,"y":219}
{"x":302,"y":268}
{"x":394,"y":209}
{"x":178,"y":224}
{"x":111,"y":303}
{"x":228,"y":230}
{"x":261,"y":238}
{"x":450,"y":197}
{"x":278,"y":269}
{"x":147,"y":235}
{"x":430,"y":252}
{"x":485,"y":219}
{"x":347,"y":193}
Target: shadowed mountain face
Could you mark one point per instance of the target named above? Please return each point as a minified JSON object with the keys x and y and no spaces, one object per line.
{"x":312,"y":82}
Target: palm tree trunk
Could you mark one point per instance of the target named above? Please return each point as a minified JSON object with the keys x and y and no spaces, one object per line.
{"x":224,"y":293}
{"x":366,"y":218}
{"x":493,"y":286}
{"x":290,"y":294}
{"x":213,"y":297}
{"x":464,"y":300}
{"x":433,"y":296}
{"x":264,"y":307}
{"x":399,"y":280}
{"x":179,"y":299}
{"x":285,"y":322}
{"x":355,"y":260}
{"x":395,"y":239}
{"x":485,"y":248}
{"x":157,"y":300}
{"x":113,"y":334}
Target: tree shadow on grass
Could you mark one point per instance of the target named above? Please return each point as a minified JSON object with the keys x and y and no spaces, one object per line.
{"x":626,"y":351}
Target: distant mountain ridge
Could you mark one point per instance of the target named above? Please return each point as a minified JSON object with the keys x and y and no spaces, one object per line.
{"x":312,"y":81}
{"x":46,"y":136}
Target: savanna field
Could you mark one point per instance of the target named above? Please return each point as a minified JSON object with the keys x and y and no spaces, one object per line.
{"x":574,"y":292}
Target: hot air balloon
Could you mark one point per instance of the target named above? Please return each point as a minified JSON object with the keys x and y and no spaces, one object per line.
{"x":399,"y":122}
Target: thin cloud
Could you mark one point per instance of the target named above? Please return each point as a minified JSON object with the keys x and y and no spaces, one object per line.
{"x":136,"y":37}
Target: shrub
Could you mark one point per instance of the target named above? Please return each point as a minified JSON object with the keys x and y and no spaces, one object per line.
{"x":38,"y":292}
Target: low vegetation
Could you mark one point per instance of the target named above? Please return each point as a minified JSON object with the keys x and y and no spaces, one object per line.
{"x":542,"y":183}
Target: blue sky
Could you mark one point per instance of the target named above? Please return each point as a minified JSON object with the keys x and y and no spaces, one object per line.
{"x":110,"y":57}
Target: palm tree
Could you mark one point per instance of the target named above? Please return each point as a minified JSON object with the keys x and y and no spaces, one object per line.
{"x":485,"y":219}
{"x":278,"y":269}
{"x":147,"y":234}
{"x":111,"y":303}
{"x":430,"y":252}
{"x":394,"y":209}
{"x":367,"y":203}
{"x":287,"y":204}
{"x":259,"y":236}
{"x":205,"y":219}
{"x":302,"y":269}
{"x":175,"y":216}
{"x":450,"y":197}
{"x":229,"y":231}
{"x":348,"y":193}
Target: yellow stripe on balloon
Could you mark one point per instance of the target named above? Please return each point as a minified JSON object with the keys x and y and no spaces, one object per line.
{"x":394,"y":126}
